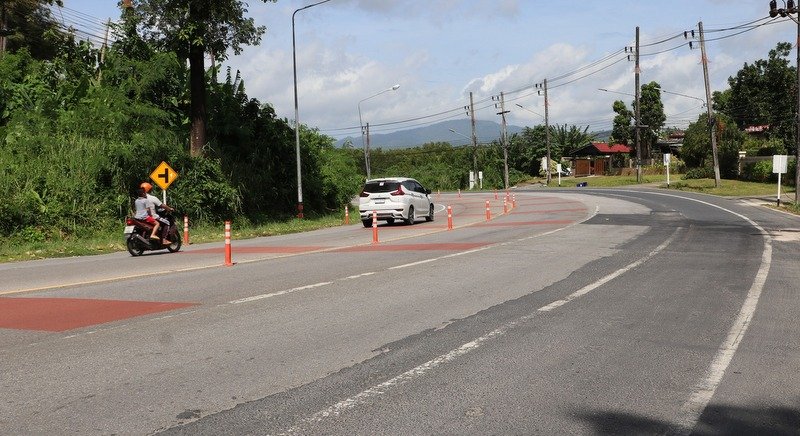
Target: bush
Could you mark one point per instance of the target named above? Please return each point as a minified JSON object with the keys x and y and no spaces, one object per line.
{"x":699,"y":173}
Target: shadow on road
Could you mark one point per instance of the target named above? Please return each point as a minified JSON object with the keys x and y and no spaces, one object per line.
{"x":716,"y":420}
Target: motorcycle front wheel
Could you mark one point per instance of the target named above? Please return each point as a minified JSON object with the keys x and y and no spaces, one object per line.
{"x":134,"y":248}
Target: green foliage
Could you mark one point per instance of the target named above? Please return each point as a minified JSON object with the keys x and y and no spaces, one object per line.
{"x":697,"y":150}
{"x":621,"y":133}
{"x":761,"y":94}
{"x":699,"y":173}
{"x":651,"y":115}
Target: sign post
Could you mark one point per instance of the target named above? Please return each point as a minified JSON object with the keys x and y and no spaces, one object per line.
{"x":163,"y":175}
{"x":667,"y":157}
{"x":558,"y":170}
{"x":779,"y":162}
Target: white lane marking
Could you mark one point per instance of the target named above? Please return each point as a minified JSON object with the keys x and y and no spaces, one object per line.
{"x":419,"y":371}
{"x":588,"y":288}
{"x":275,"y":294}
{"x":705,"y":389}
{"x":357,"y":276}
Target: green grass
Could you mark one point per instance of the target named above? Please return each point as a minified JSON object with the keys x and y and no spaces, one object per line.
{"x":607,"y":181}
{"x":17,"y":248}
{"x":731,"y":188}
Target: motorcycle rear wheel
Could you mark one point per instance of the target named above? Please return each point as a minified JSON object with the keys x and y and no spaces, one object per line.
{"x":134,"y":248}
{"x":176,"y":241}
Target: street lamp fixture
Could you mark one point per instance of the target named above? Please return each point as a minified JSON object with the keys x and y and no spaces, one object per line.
{"x":297,"y":114}
{"x":365,"y":144}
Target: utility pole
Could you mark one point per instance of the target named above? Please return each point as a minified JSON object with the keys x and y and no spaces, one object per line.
{"x":103,"y":49}
{"x":637,"y":113}
{"x":504,"y":137}
{"x":474,"y":137}
{"x":711,"y":121}
{"x":547,"y":130}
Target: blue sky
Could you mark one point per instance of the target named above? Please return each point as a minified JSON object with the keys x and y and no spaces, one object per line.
{"x":440,"y":50}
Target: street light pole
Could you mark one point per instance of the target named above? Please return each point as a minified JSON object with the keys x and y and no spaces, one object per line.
{"x":297,"y":114}
{"x":364,"y":144}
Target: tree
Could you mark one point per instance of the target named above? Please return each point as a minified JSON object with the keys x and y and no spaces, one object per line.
{"x":568,"y":139}
{"x":621,"y":132}
{"x":652,"y":115}
{"x":696,"y":150}
{"x":29,"y":24}
{"x":763,"y":93}
{"x":192,"y":28}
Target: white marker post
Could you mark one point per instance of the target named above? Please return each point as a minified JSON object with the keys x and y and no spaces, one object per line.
{"x":558,"y":170}
{"x":779,"y":166}
{"x":667,"y":157}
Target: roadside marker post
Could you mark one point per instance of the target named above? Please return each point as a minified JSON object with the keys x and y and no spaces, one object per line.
{"x":346,"y":215}
{"x":505,"y":205}
{"x":459,"y":193}
{"x":228,"y":261}
{"x":449,"y":217}
{"x":186,"y":229}
{"x":513,"y":201}
{"x":488,"y":211}
{"x":374,"y":227}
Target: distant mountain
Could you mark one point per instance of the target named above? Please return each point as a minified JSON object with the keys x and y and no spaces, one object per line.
{"x":486,"y":131}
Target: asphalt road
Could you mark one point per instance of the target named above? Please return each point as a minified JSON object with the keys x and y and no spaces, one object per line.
{"x":572,"y":312}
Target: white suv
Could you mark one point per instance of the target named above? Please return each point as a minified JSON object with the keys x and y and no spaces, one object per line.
{"x":395,"y":198}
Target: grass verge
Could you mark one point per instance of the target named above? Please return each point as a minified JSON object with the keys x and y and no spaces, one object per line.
{"x":17,"y":248}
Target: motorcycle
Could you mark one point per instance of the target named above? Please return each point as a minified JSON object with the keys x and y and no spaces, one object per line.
{"x":137,"y":235}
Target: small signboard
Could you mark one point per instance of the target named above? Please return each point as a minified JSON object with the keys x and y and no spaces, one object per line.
{"x":779,"y":162}
{"x":164,"y":175}
{"x":667,"y":157}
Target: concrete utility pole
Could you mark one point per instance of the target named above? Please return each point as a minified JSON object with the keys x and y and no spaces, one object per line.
{"x":474,"y":137}
{"x":637,"y":113}
{"x":504,"y":138}
{"x":711,"y":121}
{"x":547,"y":130}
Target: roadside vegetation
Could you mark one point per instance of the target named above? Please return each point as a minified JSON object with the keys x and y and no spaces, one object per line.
{"x":80,"y":129}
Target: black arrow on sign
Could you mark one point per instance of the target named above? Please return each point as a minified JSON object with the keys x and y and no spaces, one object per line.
{"x":164,"y":175}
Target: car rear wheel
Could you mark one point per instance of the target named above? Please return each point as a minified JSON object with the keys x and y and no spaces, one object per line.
{"x":410,"y":219}
{"x":429,"y":218}
{"x":367,"y":222}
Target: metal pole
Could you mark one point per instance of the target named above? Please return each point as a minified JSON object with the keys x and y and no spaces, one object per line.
{"x":297,"y":114}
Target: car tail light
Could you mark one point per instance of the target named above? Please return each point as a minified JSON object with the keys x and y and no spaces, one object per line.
{"x":399,"y":191}
{"x":364,"y":194}
{"x":129,"y":222}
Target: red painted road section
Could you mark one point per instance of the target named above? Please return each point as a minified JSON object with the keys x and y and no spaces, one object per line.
{"x":524,"y":223}
{"x":416,"y":247}
{"x":61,"y":314}
{"x":262,"y":249}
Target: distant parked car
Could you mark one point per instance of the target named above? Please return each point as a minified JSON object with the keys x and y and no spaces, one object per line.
{"x":394,"y":198}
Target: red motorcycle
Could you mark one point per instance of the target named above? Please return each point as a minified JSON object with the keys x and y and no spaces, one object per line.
{"x":137,"y":235}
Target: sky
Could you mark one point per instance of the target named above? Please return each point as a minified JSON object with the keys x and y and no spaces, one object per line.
{"x":438,"y":51}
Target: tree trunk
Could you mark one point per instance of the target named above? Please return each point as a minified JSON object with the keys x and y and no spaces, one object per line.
{"x":197,"y":86}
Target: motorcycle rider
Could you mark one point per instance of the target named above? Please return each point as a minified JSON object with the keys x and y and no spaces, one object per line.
{"x":156,"y":204}
{"x":145,"y":211}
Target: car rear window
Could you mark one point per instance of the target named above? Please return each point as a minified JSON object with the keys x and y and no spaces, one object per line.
{"x":378,"y":187}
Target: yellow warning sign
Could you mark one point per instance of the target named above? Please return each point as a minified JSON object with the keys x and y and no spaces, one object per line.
{"x":164,"y":175}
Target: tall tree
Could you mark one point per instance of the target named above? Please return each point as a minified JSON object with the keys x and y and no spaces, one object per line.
{"x":621,"y":132}
{"x":29,"y":24}
{"x":763,"y":93}
{"x":192,"y":28}
{"x":652,"y":115}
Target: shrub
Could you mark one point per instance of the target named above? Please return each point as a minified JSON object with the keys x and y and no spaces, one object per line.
{"x":699,"y":173}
